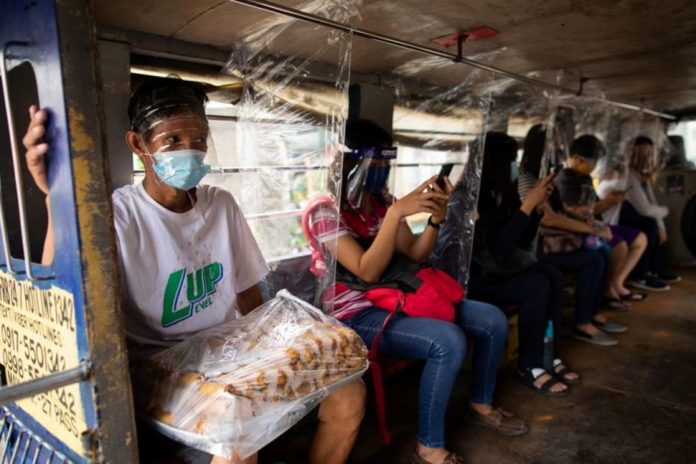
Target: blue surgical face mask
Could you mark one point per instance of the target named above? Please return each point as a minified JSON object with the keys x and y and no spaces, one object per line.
{"x":181,"y":169}
{"x":376,"y":179}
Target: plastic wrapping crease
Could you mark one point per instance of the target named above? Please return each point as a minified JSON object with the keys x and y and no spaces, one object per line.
{"x":232,"y":389}
{"x":280,"y":143}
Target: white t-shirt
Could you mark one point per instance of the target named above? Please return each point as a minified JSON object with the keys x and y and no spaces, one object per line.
{"x":182,"y":271}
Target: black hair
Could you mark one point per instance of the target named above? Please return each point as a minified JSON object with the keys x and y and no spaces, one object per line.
{"x":363,"y":133}
{"x":499,"y":152}
{"x":159,"y":98}
{"x":588,"y":146}
{"x":534,"y":144}
{"x":642,"y":140}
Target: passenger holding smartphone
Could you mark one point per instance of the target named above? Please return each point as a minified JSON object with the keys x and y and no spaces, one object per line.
{"x":591,"y":267}
{"x":371,"y":231}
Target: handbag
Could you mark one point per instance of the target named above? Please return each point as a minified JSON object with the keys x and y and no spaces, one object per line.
{"x":435,"y":296}
{"x":510,"y":264}
{"x":560,"y":241}
{"x":410,"y":288}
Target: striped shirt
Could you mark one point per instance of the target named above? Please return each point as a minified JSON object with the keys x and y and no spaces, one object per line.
{"x":326,"y":225}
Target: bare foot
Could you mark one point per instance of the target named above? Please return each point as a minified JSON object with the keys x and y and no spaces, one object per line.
{"x":555,"y":388}
{"x":432,"y":455}
{"x":569,"y":376}
{"x":588,"y":328}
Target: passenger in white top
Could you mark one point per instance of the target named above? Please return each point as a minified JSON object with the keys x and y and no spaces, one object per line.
{"x":188,"y":258}
{"x":641,"y":210}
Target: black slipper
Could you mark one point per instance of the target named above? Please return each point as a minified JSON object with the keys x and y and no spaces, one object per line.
{"x":634,"y":296}
{"x":526,"y":377}
{"x":560,"y":374}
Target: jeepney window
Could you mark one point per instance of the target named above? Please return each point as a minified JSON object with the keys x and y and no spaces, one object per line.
{"x":21,"y":81}
{"x":298,"y":181}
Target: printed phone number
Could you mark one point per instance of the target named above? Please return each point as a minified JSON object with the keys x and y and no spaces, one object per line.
{"x":39,"y":358}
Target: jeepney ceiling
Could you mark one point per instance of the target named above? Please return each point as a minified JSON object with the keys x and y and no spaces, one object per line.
{"x":637,"y":51}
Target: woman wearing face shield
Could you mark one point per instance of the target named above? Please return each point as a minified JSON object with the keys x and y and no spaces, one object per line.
{"x":168,"y":226}
{"x":371,"y":231}
{"x":641,"y":210}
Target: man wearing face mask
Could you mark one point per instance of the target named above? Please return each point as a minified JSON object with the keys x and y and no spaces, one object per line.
{"x":579,"y":199}
{"x":170,"y":229}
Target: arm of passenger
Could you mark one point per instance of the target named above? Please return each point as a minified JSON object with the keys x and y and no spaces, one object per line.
{"x":36,"y":163}
{"x":555,"y":220}
{"x":368,"y":265}
{"x":640,"y":202}
{"x":417,"y":248}
{"x":507,"y":237}
{"x":249,"y":299}
{"x":611,"y":200}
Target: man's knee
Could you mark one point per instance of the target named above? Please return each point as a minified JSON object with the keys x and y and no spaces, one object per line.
{"x":345,"y":404}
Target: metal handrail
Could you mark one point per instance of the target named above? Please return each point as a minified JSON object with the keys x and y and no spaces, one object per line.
{"x":456,"y":58}
{"x":50,"y":382}
{"x":17,"y":166}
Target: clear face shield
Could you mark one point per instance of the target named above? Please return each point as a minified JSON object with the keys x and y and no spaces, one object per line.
{"x":176,"y":138}
{"x":369,"y":174}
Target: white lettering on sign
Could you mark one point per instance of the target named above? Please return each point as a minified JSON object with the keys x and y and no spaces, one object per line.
{"x":37,"y":338}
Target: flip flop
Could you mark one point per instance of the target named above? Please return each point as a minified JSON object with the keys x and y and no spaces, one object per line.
{"x":634,"y":296}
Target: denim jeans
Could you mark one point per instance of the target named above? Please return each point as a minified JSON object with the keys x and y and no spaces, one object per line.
{"x":590,"y":268}
{"x":443,"y":346}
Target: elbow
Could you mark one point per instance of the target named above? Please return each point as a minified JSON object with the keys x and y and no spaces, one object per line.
{"x":369,"y":278}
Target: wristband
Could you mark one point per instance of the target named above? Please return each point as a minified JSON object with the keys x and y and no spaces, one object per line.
{"x":432,"y":224}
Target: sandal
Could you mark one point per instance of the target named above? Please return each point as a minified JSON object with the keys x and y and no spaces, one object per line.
{"x":451,"y":458}
{"x":634,"y":296}
{"x":527,"y":377}
{"x":560,"y":370}
{"x":617,"y":304}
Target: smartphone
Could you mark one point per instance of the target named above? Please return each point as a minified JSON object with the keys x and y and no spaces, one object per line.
{"x":444,"y":172}
{"x":555,"y":169}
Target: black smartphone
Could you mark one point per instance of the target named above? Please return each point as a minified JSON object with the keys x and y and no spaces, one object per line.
{"x":444,"y":172}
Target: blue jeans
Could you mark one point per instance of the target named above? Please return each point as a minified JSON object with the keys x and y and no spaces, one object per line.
{"x":443,"y":346}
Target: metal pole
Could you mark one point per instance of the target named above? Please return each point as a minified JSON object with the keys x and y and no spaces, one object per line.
{"x":377,"y":37}
{"x":50,"y":382}
{"x":16,"y":164}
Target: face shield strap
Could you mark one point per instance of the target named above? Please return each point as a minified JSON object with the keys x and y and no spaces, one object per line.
{"x":164,"y":103}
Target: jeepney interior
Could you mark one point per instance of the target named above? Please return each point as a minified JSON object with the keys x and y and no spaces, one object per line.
{"x":638,"y":53}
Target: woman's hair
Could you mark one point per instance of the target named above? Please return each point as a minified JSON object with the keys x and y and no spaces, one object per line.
{"x":361,"y":133}
{"x":639,"y":162}
{"x":534,"y":144}
{"x":500,"y":151}
{"x":160,"y":98}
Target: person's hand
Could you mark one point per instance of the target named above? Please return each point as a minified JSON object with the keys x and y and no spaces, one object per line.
{"x":36,"y":147}
{"x":605,"y":233}
{"x":426,"y":198}
{"x":617,"y":197}
{"x":538,"y":194}
{"x":662,"y":235}
{"x":441,"y":215}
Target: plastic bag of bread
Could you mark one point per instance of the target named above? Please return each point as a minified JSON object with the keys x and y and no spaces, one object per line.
{"x":234,"y":388}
